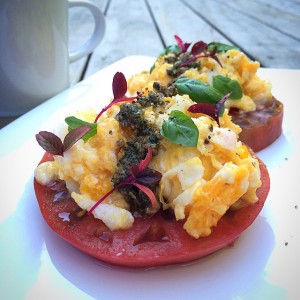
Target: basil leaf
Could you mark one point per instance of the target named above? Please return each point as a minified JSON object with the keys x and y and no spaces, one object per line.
{"x":170,"y":49}
{"x":180,"y":129}
{"x":197,"y":90}
{"x":220,"y":47}
{"x":226,"y":85}
{"x":75,"y":123}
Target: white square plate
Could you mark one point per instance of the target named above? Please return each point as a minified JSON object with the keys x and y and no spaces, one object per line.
{"x":37,"y":264}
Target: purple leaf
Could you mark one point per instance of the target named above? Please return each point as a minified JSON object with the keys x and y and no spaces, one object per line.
{"x":148,"y":176}
{"x":119,"y":85}
{"x":208,"y":109}
{"x":213,"y":55}
{"x":147,"y":191}
{"x":75,"y":135}
{"x":199,"y":47}
{"x":57,"y":185}
{"x":144,"y":163}
{"x":50,"y":142}
{"x":220,"y":104}
{"x":183,"y":46}
{"x":203,"y":108}
{"x":141,"y":174}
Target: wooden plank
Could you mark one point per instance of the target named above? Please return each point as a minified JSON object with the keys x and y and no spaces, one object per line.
{"x":272,"y":48}
{"x":174,"y":17}
{"x":130,"y":30}
{"x":277,"y":17}
{"x":81,"y":26}
{"x":288,"y":6}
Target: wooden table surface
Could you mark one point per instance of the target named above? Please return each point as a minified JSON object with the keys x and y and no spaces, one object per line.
{"x":266,"y":30}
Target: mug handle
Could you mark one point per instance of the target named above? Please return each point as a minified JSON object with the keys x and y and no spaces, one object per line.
{"x":98,"y":33}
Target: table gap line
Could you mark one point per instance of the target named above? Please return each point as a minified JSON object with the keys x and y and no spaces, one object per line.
{"x":107,"y":7}
{"x":155,"y":23}
{"x":265,"y":23}
{"x":217,"y":29}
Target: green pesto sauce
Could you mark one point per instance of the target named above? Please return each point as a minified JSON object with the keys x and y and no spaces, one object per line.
{"x":176,"y":70}
{"x":145,"y":135}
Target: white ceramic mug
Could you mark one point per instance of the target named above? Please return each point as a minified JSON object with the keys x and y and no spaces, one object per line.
{"x":34,"y":55}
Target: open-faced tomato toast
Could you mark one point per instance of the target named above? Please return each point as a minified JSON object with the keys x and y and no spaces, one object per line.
{"x":150,"y":180}
{"x":207,"y":72}
{"x":160,"y":240}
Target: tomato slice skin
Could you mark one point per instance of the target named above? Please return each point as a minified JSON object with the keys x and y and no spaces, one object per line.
{"x":261,"y":127}
{"x":149,"y":242}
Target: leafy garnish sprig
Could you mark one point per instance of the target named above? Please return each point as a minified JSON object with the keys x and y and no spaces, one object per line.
{"x":119,"y":87}
{"x":214,"y":111}
{"x":52,"y":144}
{"x":140,"y":175}
{"x":210,"y":98}
{"x":81,"y":129}
{"x":197,"y":48}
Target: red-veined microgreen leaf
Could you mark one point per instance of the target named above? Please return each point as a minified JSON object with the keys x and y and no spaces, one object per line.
{"x":140,"y":174}
{"x":203,"y":108}
{"x":209,"y":54}
{"x":208,"y":109}
{"x":220,"y":105}
{"x":145,"y":190}
{"x":75,"y":135}
{"x":144,"y":163}
{"x":119,"y":85}
{"x":198,"y":47}
{"x":148,"y":176}
{"x":183,"y":46}
{"x":50,"y":142}
{"x":213,"y":55}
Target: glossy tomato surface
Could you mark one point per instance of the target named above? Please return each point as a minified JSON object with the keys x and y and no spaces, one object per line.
{"x":262,"y":127}
{"x":159,"y":240}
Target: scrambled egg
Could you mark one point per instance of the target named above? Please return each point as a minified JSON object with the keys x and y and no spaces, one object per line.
{"x":235,"y":65}
{"x":199,"y":183}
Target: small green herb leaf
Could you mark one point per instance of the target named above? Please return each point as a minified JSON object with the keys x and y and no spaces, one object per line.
{"x":180,"y":129}
{"x":74,"y":122}
{"x":226,"y":85}
{"x":175,"y":49}
{"x":220,"y":47}
{"x":198,"y":91}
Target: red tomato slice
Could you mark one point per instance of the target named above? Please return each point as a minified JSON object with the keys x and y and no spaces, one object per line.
{"x":149,"y":242}
{"x":262,"y":127}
